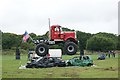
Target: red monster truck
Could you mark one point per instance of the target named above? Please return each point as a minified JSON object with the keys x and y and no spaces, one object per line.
{"x":56,"y":36}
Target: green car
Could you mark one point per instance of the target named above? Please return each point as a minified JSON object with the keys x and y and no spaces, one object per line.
{"x":80,"y":61}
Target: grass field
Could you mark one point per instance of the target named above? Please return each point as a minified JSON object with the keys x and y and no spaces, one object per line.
{"x":0,"y":65}
{"x":104,"y":69}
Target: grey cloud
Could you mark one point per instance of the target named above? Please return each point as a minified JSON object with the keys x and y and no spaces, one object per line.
{"x":86,"y":15}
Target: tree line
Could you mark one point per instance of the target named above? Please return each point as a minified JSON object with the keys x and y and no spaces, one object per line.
{"x":94,"y":42}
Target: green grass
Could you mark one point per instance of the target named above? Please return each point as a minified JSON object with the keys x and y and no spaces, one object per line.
{"x":104,"y":69}
{"x":0,"y":66}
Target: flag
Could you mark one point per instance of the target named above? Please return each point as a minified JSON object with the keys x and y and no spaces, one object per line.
{"x":25,"y":36}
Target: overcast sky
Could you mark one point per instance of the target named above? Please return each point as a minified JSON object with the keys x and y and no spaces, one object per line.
{"x":91,"y":16}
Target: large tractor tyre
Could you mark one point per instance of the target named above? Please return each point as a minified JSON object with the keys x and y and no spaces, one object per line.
{"x":70,"y":48}
{"x":42,"y":49}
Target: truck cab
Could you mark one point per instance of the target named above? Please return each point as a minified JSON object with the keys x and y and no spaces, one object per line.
{"x":56,"y":34}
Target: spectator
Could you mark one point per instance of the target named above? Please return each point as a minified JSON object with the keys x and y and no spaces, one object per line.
{"x":81,"y":53}
{"x":113,"y":53}
{"x":109,"y":52}
{"x":17,"y":53}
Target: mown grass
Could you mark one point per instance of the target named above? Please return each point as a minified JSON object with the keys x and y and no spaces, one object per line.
{"x":104,"y":69}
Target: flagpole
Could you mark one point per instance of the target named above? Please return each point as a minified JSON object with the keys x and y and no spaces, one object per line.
{"x":31,"y":38}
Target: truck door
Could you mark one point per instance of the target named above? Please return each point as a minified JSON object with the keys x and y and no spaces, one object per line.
{"x":56,"y":33}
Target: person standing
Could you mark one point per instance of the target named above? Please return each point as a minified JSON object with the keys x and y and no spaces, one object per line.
{"x":113,"y":53}
{"x":109,"y":52}
{"x":17,"y":54}
{"x":81,"y":53}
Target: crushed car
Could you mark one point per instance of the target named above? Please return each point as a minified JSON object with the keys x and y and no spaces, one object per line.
{"x":80,"y":61}
{"x":45,"y":62}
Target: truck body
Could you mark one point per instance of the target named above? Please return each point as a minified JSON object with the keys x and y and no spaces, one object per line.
{"x":56,"y":36}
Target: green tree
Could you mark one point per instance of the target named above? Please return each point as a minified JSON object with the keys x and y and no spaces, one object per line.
{"x":82,"y":38}
{"x":10,"y":40}
{"x":27,"y":46}
{"x":33,"y":35}
{"x":118,"y":43}
{"x":101,"y":43}
{"x":66,"y":29}
{"x":0,"y":40}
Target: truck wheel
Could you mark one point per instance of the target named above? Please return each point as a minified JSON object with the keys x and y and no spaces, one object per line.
{"x":41,"y":49}
{"x":70,"y":48}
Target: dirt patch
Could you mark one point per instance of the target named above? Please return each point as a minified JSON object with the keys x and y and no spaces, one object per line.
{"x":109,"y":69}
{"x":5,"y":72}
{"x":71,"y":74}
{"x":19,"y":72}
